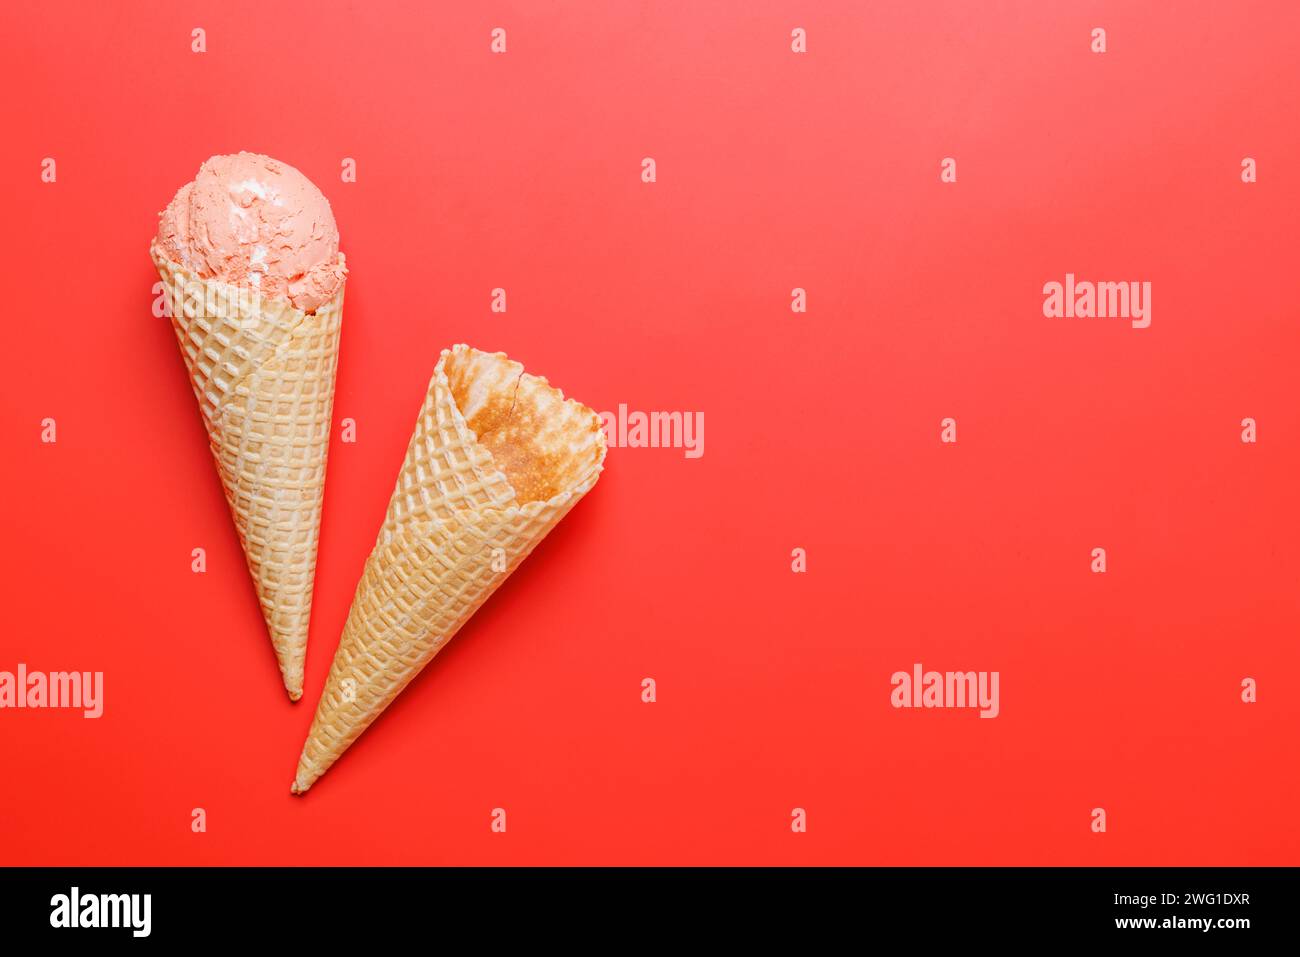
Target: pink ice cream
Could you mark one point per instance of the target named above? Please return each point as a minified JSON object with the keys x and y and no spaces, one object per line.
{"x":249,"y":219}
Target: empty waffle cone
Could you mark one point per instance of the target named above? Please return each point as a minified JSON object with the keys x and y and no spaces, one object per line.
{"x":497,"y":458}
{"x":263,"y":373}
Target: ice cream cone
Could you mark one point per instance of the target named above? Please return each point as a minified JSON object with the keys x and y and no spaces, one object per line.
{"x":263,"y":373}
{"x":497,"y":458}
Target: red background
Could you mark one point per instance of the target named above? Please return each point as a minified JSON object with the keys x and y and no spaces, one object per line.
{"x":775,"y":170}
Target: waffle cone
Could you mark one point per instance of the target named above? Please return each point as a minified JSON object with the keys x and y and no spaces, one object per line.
{"x":263,"y":374}
{"x":497,"y":458}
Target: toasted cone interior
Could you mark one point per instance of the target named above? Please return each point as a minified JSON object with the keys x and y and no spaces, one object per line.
{"x":542,"y":442}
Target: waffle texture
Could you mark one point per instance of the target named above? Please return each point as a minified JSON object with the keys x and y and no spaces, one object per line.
{"x":497,"y":458}
{"x":263,"y":374}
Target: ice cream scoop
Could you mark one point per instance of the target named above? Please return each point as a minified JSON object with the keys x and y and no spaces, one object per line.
{"x":248,"y":219}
